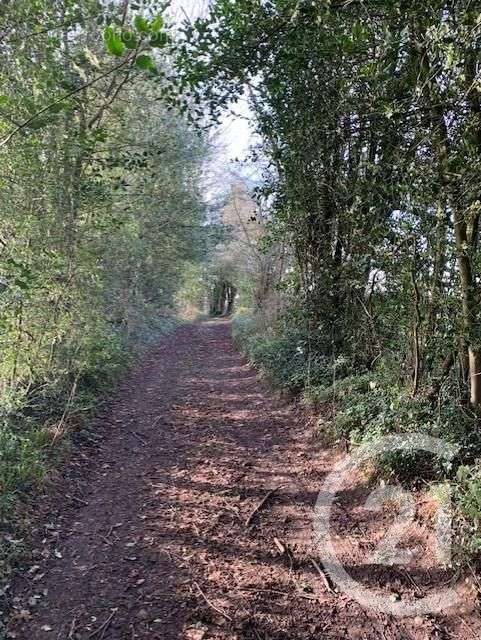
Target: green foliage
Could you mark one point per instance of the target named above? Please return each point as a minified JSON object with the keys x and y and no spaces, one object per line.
{"x":315,"y":396}
{"x":22,"y":460}
{"x":372,"y":405}
{"x":281,"y":355}
{"x":129,"y":39}
{"x":147,"y":34}
{"x":100,"y":215}
{"x":467,"y":498}
{"x":141,"y":24}
{"x":157,"y":24}
{"x":159,"y":40}
{"x":114,"y":42}
{"x":145,"y":62}
{"x":190,"y":298}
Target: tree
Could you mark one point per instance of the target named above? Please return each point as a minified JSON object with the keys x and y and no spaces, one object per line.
{"x":370,"y":118}
{"x":101,"y":209}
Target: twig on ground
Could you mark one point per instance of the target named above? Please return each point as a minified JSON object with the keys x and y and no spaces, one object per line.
{"x":306,"y":596}
{"x":156,"y":421}
{"x":259,"y":506}
{"x":75,"y":499}
{"x":211,"y":605}
{"x":323,"y":576}
{"x":59,"y":427}
{"x":255,"y":590}
{"x":468,"y":627}
{"x":475,"y":578}
{"x":405,"y":574}
{"x":285,"y":551}
{"x":72,"y":629}
{"x":112,"y":528}
{"x":297,"y":592}
{"x":103,"y":627}
{"x":280,"y":546}
{"x":139,"y":438}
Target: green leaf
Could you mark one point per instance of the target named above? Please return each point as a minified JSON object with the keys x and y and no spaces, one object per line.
{"x":145,"y":62}
{"x":156,"y":24}
{"x":141,"y":24}
{"x":3,"y":99}
{"x":113,"y":42}
{"x":129,"y":39}
{"x":38,"y":123}
{"x":109,"y":33}
{"x":100,"y":135}
{"x":21,"y":284}
{"x":159,"y":40}
{"x":56,"y":108}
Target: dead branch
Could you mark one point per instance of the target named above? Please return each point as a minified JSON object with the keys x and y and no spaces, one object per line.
{"x":103,"y":627}
{"x":259,"y":506}
{"x":139,"y":438}
{"x":326,"y":581}
{"x":211,"y":605}
{"x":280,"y":546}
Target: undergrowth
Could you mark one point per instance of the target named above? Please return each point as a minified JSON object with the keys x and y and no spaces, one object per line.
{"x":37,"y":417}
{"x":282,"y":356}
{"x":372,"y":404}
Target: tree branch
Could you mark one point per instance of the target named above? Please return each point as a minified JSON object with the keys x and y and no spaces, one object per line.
{"x":24,"y":124}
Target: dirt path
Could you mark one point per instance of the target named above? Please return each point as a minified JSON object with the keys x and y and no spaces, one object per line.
{"x":149,"y":533}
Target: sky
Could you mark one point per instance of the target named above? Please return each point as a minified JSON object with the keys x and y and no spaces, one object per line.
{"x":235,"y":130}
{"x":234,"y":133}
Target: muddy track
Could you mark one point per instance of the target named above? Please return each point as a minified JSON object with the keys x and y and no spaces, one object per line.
{"x":152,"y":529}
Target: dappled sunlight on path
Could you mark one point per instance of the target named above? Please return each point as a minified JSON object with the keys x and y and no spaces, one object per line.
{"x":191,"y":517}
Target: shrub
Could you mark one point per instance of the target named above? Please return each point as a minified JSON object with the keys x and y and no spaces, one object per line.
{"x":41,"y":411}
{"x":370,"y":405}
{"x":281,"y":354}
{"x":22,"y":459}
{"x":467,"y":498}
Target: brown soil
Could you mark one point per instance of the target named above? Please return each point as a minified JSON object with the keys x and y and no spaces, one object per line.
{"x":151,"y":530}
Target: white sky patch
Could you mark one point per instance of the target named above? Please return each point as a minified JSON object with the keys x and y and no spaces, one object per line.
{"x":235,"y":132}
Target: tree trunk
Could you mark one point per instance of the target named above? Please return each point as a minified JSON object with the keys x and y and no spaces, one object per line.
{"x":475,"y":377}
{"x":464,"y":236}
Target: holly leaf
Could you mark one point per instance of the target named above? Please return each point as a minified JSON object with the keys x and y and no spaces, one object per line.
{"x":141,"y":24}
{"x":159,"y":40}
{"x":145,"y":62}
{"x":113,"y":42}
{"x":129,"y":39}
{"x":156,"y":24}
